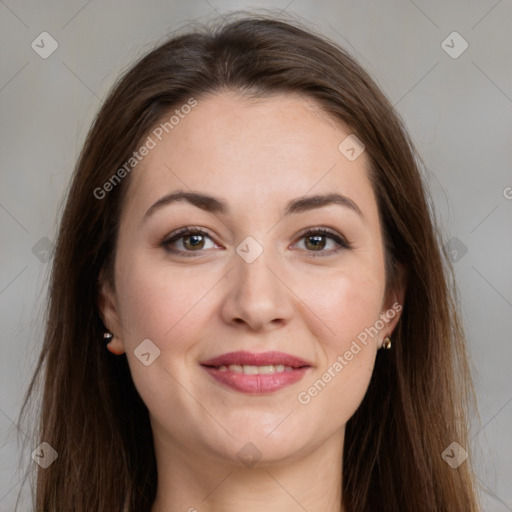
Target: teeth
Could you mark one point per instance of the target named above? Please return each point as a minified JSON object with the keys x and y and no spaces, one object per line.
{"x":250,"y":370}
{"x":256,"y":370}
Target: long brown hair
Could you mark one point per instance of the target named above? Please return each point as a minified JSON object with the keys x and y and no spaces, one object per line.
{"x":420,"y":392}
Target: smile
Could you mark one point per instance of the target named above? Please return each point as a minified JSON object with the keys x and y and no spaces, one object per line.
{"x":256,"y":373}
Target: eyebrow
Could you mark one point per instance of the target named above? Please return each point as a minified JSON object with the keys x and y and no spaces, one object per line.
{"x":214,"y":205}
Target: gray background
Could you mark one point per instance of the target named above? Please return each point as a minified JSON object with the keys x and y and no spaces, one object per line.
{"x":458,"y":112}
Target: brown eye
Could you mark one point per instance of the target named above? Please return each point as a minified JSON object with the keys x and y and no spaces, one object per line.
{"x":317,"y":241}
{"x":187,"y":240}
{"x":193,"y":241}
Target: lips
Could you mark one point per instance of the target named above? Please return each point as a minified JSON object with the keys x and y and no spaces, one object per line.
{"x":256,"y":373}
{"x":243,"y":358}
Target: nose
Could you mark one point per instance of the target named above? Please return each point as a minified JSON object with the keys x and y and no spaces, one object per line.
{"x":258,"y":295}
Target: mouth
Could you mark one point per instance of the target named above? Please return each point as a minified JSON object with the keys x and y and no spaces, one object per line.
{"x":256,"y":373}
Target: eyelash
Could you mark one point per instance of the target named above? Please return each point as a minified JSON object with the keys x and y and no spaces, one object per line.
{"x":191,"y":230}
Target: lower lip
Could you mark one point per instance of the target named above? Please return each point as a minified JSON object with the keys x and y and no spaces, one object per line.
{"x":257,"y":384}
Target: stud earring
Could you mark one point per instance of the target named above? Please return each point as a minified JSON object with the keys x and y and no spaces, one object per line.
{"x":386,"y":344}
{"x":108,"y":337}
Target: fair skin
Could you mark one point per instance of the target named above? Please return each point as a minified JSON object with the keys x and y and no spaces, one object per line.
{"x":256,"y":156}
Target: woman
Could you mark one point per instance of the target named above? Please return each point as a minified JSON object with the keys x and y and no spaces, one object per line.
{"x":248,"y":230}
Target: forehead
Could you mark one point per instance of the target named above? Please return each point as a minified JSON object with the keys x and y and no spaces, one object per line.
{"x":252,"y":152}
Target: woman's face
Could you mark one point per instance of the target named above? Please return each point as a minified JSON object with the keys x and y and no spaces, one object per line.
{"x":253,"y":282}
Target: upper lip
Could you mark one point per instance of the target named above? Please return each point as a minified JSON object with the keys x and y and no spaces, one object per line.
{"x":244,"y":358}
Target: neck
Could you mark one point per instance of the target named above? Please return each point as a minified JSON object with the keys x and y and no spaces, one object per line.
{"x":206,"y":484}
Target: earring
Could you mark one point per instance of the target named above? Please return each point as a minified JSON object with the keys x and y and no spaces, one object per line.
{"x":108,"y":337}
{"x":386,"y":344}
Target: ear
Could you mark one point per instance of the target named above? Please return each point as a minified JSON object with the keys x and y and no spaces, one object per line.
{"x":107,"y":306}
{"x":394,"y":303}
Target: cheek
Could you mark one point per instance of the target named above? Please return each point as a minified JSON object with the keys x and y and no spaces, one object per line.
{"x":168,"y":305}
{"x":347,"y":311}
{"x":170,"y":309}
{"x":157,"y":308}
{"x":344,"y":304}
